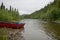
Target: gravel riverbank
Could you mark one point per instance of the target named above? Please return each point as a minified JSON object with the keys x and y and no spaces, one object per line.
{"x":11,"y":34}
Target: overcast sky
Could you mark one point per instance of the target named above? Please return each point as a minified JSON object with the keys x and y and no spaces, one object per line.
{"x":26,"y":6}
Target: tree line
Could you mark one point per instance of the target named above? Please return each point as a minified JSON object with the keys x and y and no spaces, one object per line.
{"x":51,"y":12}
{"x":9,"y":14}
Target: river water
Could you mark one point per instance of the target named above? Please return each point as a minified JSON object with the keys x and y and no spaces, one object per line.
{"x":35,"y":29}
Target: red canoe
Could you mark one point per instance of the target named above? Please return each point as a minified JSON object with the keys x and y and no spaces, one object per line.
{"x":11,"y":25}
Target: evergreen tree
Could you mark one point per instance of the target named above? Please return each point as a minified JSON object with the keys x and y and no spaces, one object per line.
{"x":10,"y":8}
{"x":8,"y":15}
{"x":2,"y":6}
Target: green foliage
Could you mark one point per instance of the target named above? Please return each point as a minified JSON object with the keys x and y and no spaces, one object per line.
{"x":8,"y":15}
{"x":2,"y":6}
{"x":51,"y":12}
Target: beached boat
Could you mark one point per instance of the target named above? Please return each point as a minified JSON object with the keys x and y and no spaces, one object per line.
{"x":11,"y":25}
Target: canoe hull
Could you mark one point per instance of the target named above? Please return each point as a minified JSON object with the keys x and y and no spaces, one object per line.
{"x":11,"y":25}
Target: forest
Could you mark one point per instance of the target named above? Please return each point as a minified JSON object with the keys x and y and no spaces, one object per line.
{"x":10,"y":14}
{"x":51,"y":12}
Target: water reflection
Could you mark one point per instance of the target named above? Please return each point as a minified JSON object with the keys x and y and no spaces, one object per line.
{"x":34,"y":30}
{"x":53,"y":30}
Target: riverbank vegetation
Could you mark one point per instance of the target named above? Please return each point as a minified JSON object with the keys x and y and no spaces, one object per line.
{"x":9,"y":14}
{"x":51,"y":12}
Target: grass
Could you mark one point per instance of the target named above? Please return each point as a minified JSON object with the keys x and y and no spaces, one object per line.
{"x":3,"y":34}
{"x":3,"y":37}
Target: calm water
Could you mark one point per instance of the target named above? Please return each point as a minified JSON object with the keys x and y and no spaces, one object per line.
{"x":36,"y":29}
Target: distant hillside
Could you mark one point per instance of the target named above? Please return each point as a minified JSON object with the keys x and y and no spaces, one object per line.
{"x":51,"y":12}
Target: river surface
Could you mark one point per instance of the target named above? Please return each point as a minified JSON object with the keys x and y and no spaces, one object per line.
{"x":35,"y":29}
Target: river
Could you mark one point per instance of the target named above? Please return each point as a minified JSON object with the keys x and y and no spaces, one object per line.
{"x":35,"y":29}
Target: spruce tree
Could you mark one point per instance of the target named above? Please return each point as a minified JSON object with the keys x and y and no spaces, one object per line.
{"x":2,"y":6}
